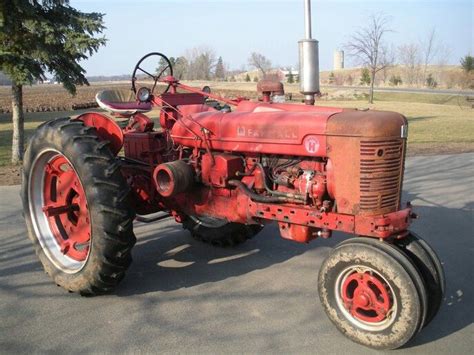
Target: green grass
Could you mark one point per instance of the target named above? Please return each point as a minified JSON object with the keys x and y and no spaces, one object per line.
{"x":32,"y":120}
{"x":438,"y":99}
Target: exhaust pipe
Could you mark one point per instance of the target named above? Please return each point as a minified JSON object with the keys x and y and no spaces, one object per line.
{"x":309,"y":60}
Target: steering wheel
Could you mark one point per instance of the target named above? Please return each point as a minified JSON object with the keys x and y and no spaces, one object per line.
{"x":156,"y":77}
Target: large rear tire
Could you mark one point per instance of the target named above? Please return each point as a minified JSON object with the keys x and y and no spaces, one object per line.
{"x":218,"y":232}
{"x":75,"y":202}
{"x":373,"y":293}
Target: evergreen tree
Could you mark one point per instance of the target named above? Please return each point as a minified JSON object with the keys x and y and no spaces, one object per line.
{"x":255,"y":79}
{"x":467,"y":63}
{"x":247,"y":78}
{"x":39,"y":37}
{"x":220,"y":69}
{"x":163,"y":64}
{"x":291,"y":77}
{"x":365,"y":77}
{"x":431,"y":82}
{"x":395,"y":80}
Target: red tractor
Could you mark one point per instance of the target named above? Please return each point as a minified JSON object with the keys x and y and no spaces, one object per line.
{"x":224,"y":168}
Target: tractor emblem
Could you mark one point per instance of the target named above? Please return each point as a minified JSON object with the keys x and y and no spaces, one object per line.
{"x":311,"y":144}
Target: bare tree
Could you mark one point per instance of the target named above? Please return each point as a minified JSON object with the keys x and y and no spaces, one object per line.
{"x":429,"y":51}
{"x":367,"y":46}
{"x":201,"y":63}
{"x":180,"y":67}
{"x":444,"y":54}
{"x":260,"y":62}
{"x":409,"y":57}
{"x":387,"y":60}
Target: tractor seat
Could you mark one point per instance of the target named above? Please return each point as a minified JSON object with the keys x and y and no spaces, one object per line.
{"x":122,"y":102}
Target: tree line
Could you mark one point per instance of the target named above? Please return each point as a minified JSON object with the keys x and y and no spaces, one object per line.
{"x":202,"y":63}
{"x":369,"y":48}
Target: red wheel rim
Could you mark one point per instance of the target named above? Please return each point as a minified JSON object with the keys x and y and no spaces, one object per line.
{"x":65,"y":207}
{"x":366,"y":296}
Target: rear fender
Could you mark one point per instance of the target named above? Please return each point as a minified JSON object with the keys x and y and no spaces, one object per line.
{"x":107,"y":129}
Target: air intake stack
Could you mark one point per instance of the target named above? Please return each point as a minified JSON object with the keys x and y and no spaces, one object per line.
{"x":309,"y":60}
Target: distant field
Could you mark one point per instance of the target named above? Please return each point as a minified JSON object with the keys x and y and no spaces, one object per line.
{"x":53,"y":97}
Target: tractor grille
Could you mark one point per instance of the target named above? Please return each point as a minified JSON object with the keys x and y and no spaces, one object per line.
{"x":381,"y":170}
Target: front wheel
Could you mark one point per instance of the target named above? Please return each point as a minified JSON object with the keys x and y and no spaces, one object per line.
{"x":372,"y":293}
{"x":430,"y":267}
{"x":75,"y":206}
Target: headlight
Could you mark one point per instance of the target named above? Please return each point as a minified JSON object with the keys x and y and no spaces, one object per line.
{"x":143,"y":94}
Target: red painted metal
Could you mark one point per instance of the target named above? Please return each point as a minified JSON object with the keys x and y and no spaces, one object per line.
{"x":385,"y":225}
{"x":267,"y":132}
{"x":311,"y":197}
{"x":217,"y":170}
{"x":173,"y":178}
{"x":297,"y":233}
{"x":65,"y":205}
{"x":139,"y":123}
{"x":366,"y":297}
{"x":147,"y":147}
{"x":107,"y":129}
{"x":172,"y":100}
{"x":235,"y":206}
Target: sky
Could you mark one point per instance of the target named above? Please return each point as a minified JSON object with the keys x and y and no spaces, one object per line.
{"x":235,"y":28}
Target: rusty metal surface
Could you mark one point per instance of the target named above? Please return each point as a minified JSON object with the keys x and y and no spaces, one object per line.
{"x":271,"y":86}
{"x":370,"y":124}
{"x":366,"y":152}
{"x":381,"y":173}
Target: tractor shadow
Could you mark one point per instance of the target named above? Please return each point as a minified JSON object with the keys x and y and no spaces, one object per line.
{"x":450,"y":232}
{"x":167,"y":258}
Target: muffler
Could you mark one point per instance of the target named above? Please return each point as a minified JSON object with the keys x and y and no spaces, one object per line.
{"x":309,"y":60}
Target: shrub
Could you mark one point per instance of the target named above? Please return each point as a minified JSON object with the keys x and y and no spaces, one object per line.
{"x":431,"y":82}
{"x":395,"y":80}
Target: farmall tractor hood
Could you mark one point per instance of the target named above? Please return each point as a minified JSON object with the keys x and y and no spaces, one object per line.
{"x":370,"y":124}
{"x":284,"y":129}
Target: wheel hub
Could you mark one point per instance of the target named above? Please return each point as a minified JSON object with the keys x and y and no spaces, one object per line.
{"x":366,"y":297}
{"x":362,"y":300}
{"x":65,"y":206}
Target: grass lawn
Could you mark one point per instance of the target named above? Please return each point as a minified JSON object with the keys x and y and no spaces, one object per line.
{"x":32,"y":120}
